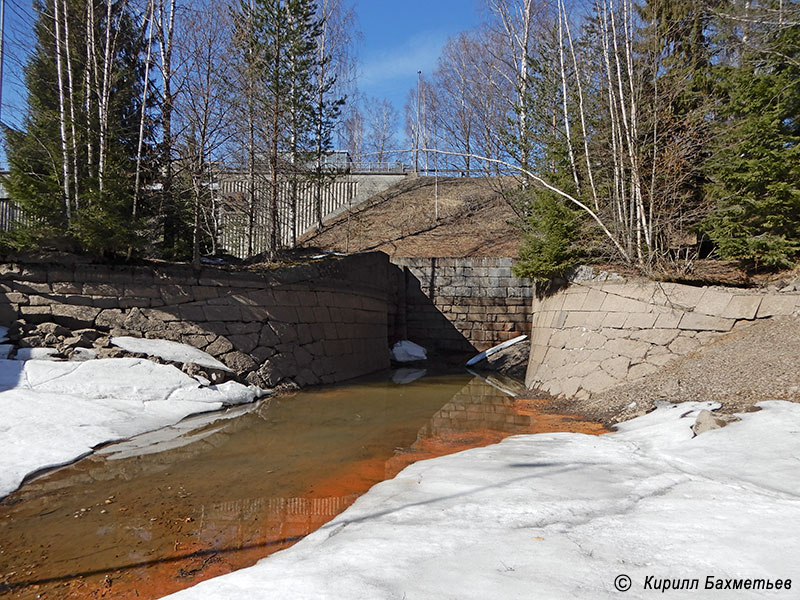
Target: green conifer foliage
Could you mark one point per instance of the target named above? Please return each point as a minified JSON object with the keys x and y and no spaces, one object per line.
{"x":88,"y":218}
{"x":285,"y":34}
{"x":755,"y":169}
{"x":550,"y":247}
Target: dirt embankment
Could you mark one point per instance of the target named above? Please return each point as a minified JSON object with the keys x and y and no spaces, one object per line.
{"x":473,"y":220}
{"x":756,"y":362}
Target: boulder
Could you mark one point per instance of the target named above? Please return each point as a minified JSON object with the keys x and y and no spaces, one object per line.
{"x":31,"y":341}
{"x":52,"y":329}
{"x":269,"y":374}
{"x":707,"y":421}
{"x":74,"y":316}
{"x":239,"y":361}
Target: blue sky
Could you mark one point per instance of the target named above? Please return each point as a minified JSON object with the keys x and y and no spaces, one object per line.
{"x":17,"y":41}
{"x":401,"y":37}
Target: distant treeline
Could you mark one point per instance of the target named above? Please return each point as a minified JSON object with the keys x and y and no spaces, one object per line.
{"x":136,"y":106}
{"x":646,"y":132}
{"x":650,"y":132}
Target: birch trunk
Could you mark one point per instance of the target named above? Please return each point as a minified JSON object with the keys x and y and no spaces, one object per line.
{"x":166,"y":23}
{"x":567,"y":131}
{"x":90,"y":78}
{"x":71,"y":96}
{"x":61,"y":114}
{"x":104,"y":100}
{"x":251,"y":171}
{"x":618,"y":194}
{"x":143,"y":113}
{"x":251,"y":140}
{"x":584,"y":131}
{"x":636,"y":192}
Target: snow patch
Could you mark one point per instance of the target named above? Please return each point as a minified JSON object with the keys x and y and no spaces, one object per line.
{"x":83,"y":354}
{"x":35,"y":353}
{"x":52,"y":413}
{"x":173,"y":351}
{"x":405,"y":351}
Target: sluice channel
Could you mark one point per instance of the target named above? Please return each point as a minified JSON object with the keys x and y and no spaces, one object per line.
{"x":161,"y":512}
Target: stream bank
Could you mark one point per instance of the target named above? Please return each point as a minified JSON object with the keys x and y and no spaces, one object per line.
{"x":161,"y":512}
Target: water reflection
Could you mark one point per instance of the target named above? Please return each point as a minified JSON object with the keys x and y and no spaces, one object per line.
{"x":222,"y":492}
{"x":477,"y":406}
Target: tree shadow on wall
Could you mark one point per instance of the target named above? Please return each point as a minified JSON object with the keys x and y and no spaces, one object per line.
{"x":545,"y":289}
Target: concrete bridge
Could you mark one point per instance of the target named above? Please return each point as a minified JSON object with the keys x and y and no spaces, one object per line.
{"x":295,"y":217}
{"x":359,"y":183}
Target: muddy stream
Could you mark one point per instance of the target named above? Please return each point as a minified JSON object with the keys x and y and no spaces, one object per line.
{"x":161,"y":512}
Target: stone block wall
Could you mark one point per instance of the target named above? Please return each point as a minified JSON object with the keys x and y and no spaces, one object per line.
{"x":319,"y":322}
{"x":461,"y":304}
{"x":592,"y":335}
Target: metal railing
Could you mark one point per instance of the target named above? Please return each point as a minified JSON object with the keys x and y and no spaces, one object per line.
{"x":12,"y":216}
{"x":295,"y":217}
{"x":378,"y":167}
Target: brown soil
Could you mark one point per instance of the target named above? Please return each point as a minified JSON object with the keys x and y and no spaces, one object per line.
{"x":474,"y":220}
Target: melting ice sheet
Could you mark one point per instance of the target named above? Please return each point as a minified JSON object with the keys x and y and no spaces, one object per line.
{"x":561,"y":516}
{"x":52,"y":413}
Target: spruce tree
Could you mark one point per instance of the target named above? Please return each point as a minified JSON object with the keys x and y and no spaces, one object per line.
{"x":755,"y":167}
{"x":89,"y":208}
{"x":550,"y":245}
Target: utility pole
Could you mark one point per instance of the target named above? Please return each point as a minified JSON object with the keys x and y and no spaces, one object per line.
{"x":436,"y":189}
{"x":416,"y":132}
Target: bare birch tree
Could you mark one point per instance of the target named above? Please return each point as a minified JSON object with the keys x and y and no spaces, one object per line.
{"x":351,"y":133}
{"x":150,"y":28}
{"x":62,"y":119}
{"x":165,"y":28}
{"x":381,"y":128}
{"x":455,"y":92}
{"x":203,"y":109}
{"x":514,"y":22}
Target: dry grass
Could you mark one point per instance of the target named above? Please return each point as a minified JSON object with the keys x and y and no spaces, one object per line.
{"x":474,"y":220}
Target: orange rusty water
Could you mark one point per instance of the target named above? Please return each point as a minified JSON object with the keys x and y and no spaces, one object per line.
{"x":123,"y":524}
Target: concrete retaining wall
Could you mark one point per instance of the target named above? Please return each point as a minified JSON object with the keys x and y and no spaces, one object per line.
{"x":593,"y":335}
{"x":461,"y":304}
{"x":319,"y":322}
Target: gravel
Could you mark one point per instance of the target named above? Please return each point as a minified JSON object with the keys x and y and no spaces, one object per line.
{"x":759,"y":361}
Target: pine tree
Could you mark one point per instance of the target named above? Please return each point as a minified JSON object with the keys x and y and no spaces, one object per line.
{"x":326,"y":111}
